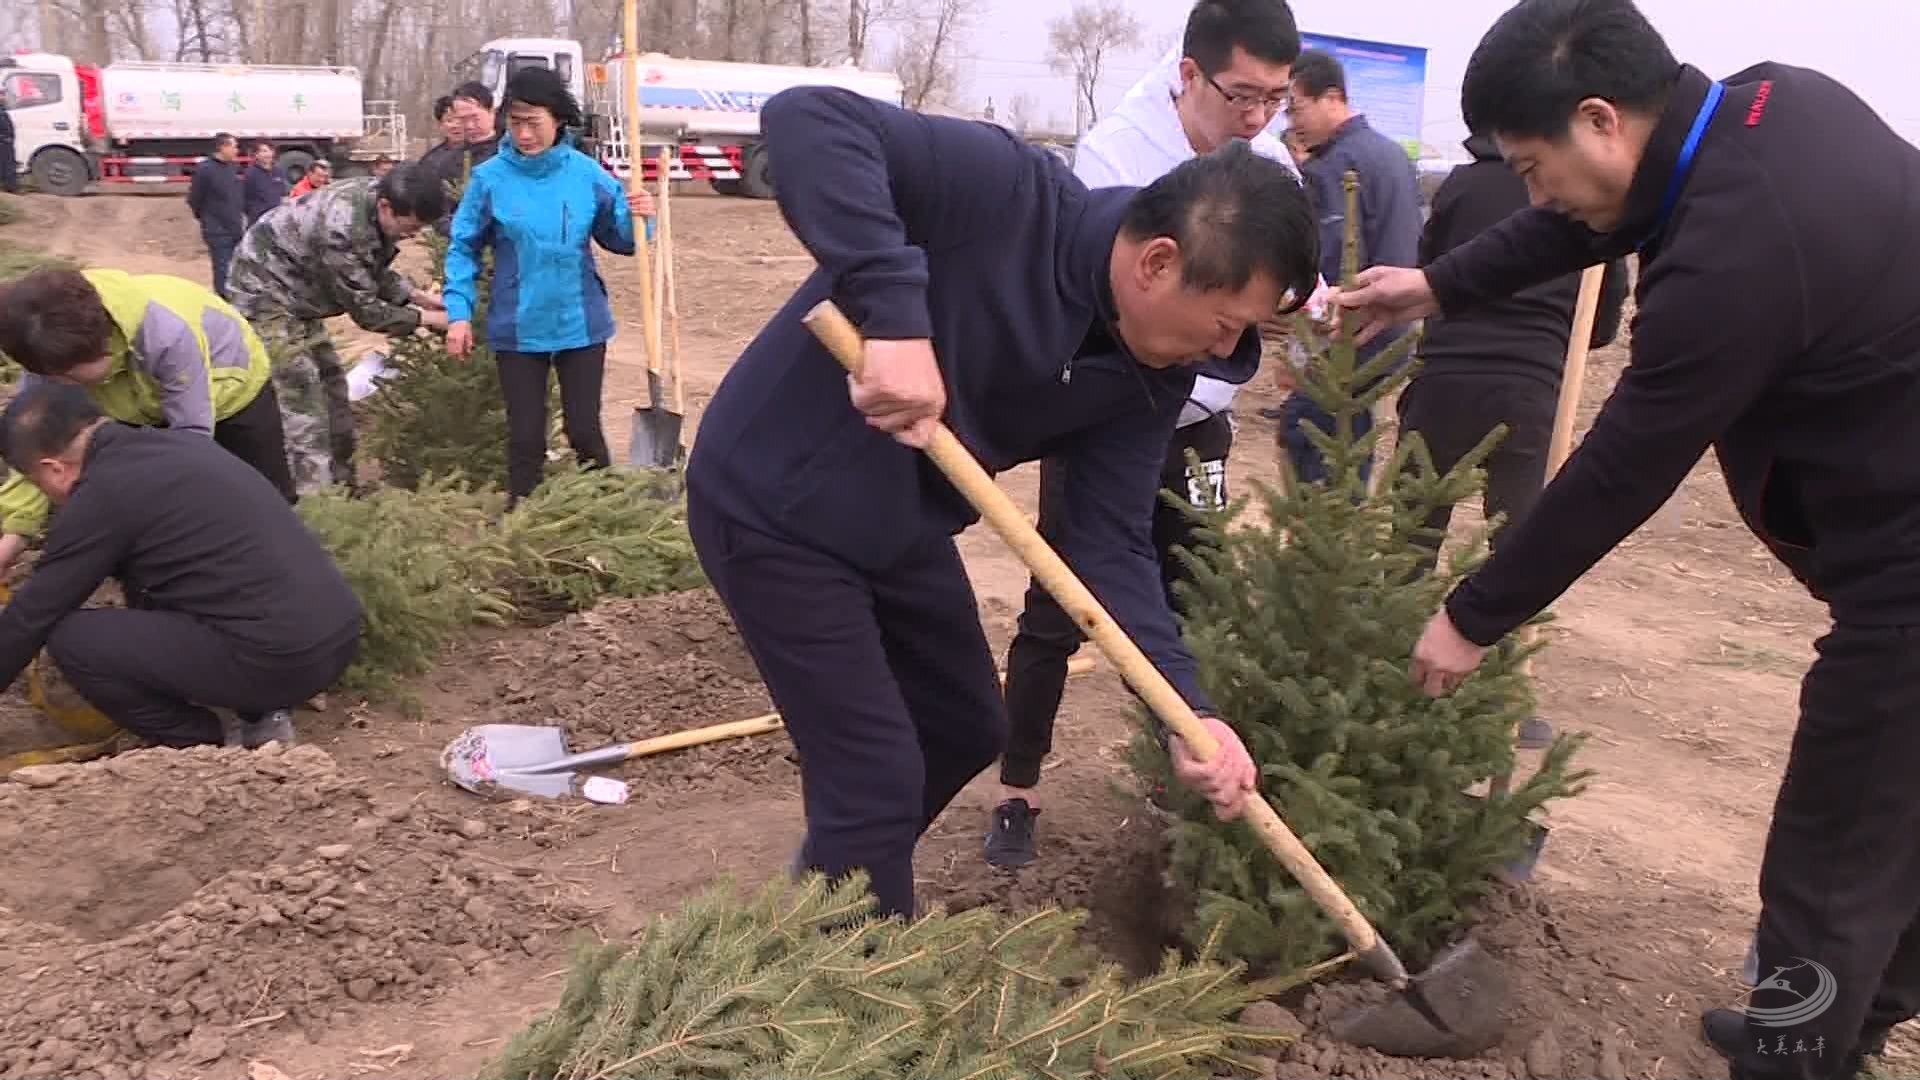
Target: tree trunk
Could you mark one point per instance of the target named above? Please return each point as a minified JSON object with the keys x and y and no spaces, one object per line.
{"x":856,"y":31}
{"x":806,"y":33}
{"x":730,"y":47}
{"x":377,"y":48}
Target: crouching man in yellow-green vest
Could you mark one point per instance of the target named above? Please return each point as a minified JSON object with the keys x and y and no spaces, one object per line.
{"x":151,"y":350}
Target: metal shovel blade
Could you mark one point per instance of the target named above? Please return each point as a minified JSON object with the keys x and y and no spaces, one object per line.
{"x":1454,"y":1009}
{"x":1522,"y":866}
{"x":501,"y":758}
{"x":656,"y":432}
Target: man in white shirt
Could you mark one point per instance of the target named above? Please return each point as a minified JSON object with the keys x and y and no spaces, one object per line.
{"x":1227,"y":80}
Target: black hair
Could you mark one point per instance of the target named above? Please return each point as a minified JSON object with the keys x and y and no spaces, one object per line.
{"x":1235,"y":214}
{"x":43,"y":420}
{"x":441,"y":106}
{"x":475,"y":92}
{"x":413,"y":192}
{"x":542,"y":88}
{"x":1542,"y":58}
{"x":53,"y":320}
{"x":1264,"y":29}
{"x":223,"y":139}
{"x":261,"y":144}
{"x":1317,"y":72}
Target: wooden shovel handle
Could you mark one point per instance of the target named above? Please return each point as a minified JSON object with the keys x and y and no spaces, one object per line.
{"x":764,"y":724}
{"x":630,"y":86}
{"x":839,"y":336}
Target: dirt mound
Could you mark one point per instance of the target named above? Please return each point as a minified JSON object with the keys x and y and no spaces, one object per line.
{"x":635,"y":669}
{"x":157,"y":906}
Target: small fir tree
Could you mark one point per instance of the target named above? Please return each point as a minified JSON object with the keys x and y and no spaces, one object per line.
{"x":1301,"y":625}
{"x":436,"y":415}
{"x":802,"y":980}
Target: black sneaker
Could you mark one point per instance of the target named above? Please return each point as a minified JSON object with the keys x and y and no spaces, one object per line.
{"x":259,"y":729}
{"x":1534,"y":734}
{"x":1010,"y":841}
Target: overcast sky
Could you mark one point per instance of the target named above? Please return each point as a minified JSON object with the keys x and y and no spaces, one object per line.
{"x":1866,"y":44}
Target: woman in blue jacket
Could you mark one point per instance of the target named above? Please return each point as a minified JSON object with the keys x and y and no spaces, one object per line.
{"x":541,"y":205}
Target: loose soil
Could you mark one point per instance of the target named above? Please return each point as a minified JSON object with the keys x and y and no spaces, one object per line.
{"x":181,"y":916}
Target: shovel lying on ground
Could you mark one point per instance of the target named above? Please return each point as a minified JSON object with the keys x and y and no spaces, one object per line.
{"x":533,"y":759}
{"x":1452,"y":1009}
{"x":655,"y":443}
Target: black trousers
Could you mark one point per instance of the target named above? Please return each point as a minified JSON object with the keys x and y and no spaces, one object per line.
{"x":885,"y":680}
{"x":1047,"y":637}
{"x":220,"y":250}
{"x":9,"y":168}
{"x":158,"y":673}
{"x":1840,"y":879}
{"x":524,"y":380}
{"x":1452,"y":412}
{"x":256,"y":436}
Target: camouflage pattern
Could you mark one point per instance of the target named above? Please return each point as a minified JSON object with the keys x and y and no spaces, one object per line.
{"x":321,"y":256}
{"x":315,"y":410}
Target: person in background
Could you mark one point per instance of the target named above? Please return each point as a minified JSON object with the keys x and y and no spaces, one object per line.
{"x":1226,"y":81}
{"x":382,"y":165}
{"x":1343,"y":141}
{"x":1775,"y":217}
{"x":332,"y":254}
{"x":265,"y":185}
{"x":217,"y":200}
{"x":541,"y":206}
{"x":471,"y":109}
{"x":153,"y":350}
{"x":453,"y":138}
{"x":9,"y":167}
{"x":1499,"y":363}
{"x":232,"y":602}
{"x":318,"y":174}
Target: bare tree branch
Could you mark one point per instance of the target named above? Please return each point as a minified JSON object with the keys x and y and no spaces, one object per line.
{"x":1081,"y":41}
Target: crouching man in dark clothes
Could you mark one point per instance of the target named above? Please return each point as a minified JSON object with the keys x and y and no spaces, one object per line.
{"x":1778,"y":224}
{"x":232,"y":602}
{"x":1039,"y":320}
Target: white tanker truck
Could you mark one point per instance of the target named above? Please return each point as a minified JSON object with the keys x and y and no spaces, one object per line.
{"x":129,"y":123}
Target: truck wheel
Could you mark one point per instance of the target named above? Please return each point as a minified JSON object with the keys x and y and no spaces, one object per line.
{"x":59,"y":171}
{"x":294,"y":163}
{"x":756,"y":177}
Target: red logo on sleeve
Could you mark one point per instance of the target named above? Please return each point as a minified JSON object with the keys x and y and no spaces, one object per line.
{"x":1759,"y":106}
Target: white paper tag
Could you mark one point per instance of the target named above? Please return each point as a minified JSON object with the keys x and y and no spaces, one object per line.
{"x":605,"y":789}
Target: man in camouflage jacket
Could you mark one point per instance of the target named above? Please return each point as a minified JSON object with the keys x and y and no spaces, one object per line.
{"x":331,"y":253}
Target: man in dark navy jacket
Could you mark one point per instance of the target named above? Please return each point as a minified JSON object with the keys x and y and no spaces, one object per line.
{"x":1778,"y":224}
{"x":1037,"y":319}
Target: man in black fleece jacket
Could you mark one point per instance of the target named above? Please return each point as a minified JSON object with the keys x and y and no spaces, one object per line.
{"x":1037,"y":319}
{"x":1498,"y":362}
{"x":231,"y":601}
{"x":217,"y":198}
{"x":1778,"y":224}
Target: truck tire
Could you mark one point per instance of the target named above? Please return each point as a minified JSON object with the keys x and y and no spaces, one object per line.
{"x":294,"y":163}
{"x":60,"y":171}
{"x":756,"y":175}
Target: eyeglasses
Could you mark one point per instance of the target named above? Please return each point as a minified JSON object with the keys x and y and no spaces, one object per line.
{"x":1250,"y":102}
